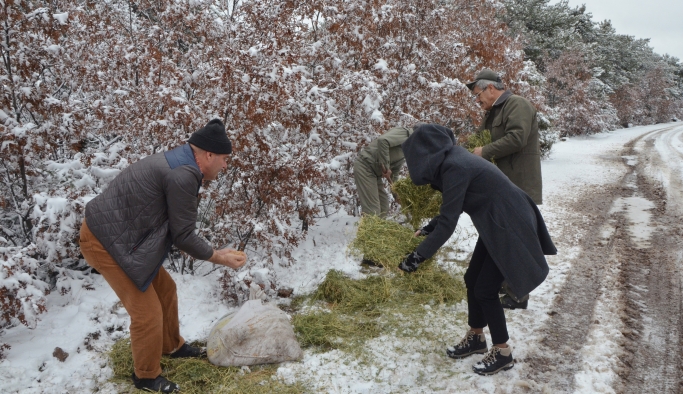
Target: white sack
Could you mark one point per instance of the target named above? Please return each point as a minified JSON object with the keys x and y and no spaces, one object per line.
{"x":255,"y":334}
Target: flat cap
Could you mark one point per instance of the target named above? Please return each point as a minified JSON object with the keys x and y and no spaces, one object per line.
{"x":486,"y":74}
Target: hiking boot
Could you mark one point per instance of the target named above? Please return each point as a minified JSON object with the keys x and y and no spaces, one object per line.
{"x":496,"y":360}
{"x":509,"y":303}
{"x":158,"y":385}
{"x":471,"y":344}
{"x":187,"y":351}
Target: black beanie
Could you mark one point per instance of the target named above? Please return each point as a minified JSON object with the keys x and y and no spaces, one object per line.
{"x":212,"y":138}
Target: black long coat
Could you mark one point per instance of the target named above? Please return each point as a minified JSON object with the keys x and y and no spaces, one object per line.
{"x":509,"y":223}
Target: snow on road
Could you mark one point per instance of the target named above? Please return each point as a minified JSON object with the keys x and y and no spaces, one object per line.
{"x":576,"y":167}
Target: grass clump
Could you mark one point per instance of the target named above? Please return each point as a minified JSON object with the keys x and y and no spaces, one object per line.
{"x":383,"y":241}
{"x":327,"y":330}
{"x":199,"y":376}
{"x":354,"y":311}
{"x":350,"y":295}
{"x":430,"y":284}
{"x":476,"y":140}
{"x":479,"y":139}
{"x":417,"y":202}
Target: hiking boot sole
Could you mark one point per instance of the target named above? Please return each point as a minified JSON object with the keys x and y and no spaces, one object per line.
{"x":459,"y":356}
{"x":514,"y":307}
{"x":503,"y":368}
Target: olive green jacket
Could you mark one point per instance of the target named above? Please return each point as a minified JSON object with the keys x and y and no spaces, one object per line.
{"x":385,"y":151}
{"x":515,"y":145}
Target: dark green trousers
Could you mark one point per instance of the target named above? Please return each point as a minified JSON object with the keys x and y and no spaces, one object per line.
{"x":374,"y":199}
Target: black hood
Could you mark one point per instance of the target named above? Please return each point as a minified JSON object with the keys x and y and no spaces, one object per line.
{"x":425,"y":150}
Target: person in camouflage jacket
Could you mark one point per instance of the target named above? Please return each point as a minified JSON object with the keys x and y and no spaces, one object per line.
{"x":381,"y":158}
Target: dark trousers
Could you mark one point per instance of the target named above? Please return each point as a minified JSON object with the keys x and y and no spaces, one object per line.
{"x":483,"y":280}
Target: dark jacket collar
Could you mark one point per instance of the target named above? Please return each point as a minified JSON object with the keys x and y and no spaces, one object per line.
{"x":503,"y":98}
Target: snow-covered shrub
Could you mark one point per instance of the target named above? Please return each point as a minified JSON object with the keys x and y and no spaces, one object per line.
{"x":236,"y":286}
{"x":547,"y":134}
{"x":299,"y":99}
{"x":579,"y":99}
{"x":22,"y":295}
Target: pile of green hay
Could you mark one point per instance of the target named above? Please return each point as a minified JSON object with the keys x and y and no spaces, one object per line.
{"x":355,"y":311}
{"x":384,"y":241}
{"x":418,"y":203}
{"x":199,"y":376}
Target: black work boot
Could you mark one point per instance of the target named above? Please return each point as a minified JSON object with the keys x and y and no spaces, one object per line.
{"x":187,"y":351}
{"x":496,"y":360}
{"x":158,"y":385}
{"x":509,"y":303}
{"x":471,"y":344}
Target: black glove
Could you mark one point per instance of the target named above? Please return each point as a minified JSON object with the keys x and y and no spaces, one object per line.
{"x":426,"y":230}
{"x":411,"y":262}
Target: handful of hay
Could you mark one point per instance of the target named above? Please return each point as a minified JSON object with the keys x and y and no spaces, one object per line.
{"x":417,"y":202}
{"x":384,"y":241}
{"x":478,"y":139}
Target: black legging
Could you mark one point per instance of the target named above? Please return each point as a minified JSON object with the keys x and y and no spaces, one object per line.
{"x":483,"y":280}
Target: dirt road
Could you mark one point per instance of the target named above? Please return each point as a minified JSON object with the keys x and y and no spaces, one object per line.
{"x":628,"y":273}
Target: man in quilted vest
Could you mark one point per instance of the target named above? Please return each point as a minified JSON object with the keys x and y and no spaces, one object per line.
{"x":128,"y":232}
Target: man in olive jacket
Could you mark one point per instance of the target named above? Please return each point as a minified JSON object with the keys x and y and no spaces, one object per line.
{"x":381,"y":158}
{"x":128,"y":231}
{"x":513,"y":239}
{"x":515,"y":145}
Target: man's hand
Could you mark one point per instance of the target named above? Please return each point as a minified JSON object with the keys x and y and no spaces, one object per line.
{"x":411,"y":262}
{"x":387,"y":174}
{"x":228,"y":257}
{"x":477,"y":151}
{"x":421,"y":233}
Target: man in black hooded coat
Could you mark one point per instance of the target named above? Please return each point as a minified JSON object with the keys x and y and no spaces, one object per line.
{"x":513,"y":239}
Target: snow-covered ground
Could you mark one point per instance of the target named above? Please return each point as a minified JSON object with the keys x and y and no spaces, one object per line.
{"x":410,"y":365}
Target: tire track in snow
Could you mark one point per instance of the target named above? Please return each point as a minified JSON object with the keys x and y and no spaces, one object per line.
{"x":652,"y":280}
{"x":580,"y":351}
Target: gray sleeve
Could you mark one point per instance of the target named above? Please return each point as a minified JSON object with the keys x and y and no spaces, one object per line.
{"x":181,"y":198}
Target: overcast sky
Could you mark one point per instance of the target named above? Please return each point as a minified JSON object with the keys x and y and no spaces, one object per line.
{"x":659,"y":20}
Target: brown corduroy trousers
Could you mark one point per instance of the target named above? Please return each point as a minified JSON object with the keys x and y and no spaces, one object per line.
{"x":154,"y":327}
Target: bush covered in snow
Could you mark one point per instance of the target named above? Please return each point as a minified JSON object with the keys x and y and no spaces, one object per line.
{"x":90,"y":87}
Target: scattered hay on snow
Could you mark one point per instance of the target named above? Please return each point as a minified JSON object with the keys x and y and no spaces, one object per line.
{"x":358,"y":310}
{"x":199,"y":376}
